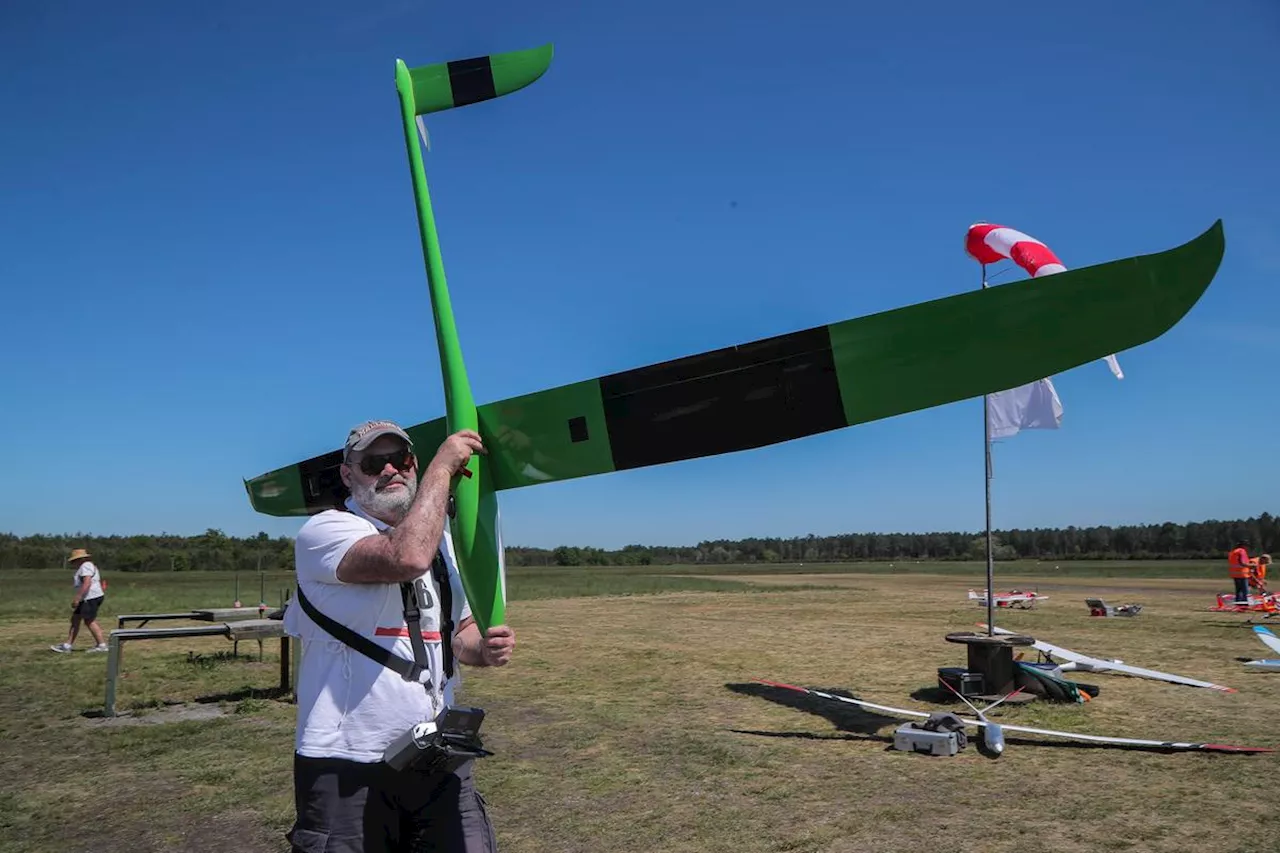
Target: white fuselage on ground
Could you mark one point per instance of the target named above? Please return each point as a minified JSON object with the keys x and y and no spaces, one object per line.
{"x":1266,"y":663}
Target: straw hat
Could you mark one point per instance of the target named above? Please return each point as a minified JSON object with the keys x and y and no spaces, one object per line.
{"x":78,"y":554}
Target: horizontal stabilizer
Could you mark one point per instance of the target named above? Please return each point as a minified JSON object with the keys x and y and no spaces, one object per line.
{"x":446,"y":85}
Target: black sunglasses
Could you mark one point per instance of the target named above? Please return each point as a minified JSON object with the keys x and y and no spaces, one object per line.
{"x":372,"y":464}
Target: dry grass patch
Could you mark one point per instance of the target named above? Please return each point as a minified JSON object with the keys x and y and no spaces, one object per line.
{"x":632,"y":723}
{"x":656,"y":737}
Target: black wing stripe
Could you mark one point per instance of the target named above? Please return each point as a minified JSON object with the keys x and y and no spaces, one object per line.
{"x":471,"y":80}
{"x":729,"y":399}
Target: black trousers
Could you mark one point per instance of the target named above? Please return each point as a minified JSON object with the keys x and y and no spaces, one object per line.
{"x":351,"y":807}
{"x":88,"y":608}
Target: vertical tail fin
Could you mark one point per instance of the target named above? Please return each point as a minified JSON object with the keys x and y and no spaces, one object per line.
{"x":431,"y":88}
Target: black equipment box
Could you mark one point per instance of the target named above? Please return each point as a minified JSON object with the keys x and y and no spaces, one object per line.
{"x":965,"y":683}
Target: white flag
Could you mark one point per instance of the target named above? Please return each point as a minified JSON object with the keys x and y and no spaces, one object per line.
{"x":1115,"y":367}
{"x":1031,"y":406}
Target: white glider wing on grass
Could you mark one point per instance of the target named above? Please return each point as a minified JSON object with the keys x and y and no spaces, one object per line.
{"x":1085,"y":663}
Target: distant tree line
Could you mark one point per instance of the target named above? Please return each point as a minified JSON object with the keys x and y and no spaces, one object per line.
{"x":213,"y":550}
{"x":1168,"y":541}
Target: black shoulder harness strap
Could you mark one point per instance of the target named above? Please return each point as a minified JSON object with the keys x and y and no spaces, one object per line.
{"x":408,"y":670}
{"x":441,"y":572}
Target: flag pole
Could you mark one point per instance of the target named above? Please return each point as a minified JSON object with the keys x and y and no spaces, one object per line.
{"x":986,"y":452}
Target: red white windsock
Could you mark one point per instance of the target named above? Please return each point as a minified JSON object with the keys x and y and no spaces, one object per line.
{"x":987,"y":244}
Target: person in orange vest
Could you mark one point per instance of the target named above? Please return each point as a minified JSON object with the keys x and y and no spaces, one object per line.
{"x":1241,"y":568}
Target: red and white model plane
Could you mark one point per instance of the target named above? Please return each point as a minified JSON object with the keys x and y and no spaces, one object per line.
{"x":1267,"y":602}
{"x":1013,"y":598}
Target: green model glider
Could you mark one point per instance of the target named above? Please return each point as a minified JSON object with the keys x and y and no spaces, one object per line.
{"x":741,"y":397}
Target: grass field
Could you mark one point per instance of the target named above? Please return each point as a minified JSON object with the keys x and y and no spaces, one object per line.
{"x":629,"y":719}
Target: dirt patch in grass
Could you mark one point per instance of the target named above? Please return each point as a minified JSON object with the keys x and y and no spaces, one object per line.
{"x":176,"y":713}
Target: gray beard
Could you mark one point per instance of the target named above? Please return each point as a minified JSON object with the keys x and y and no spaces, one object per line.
{"x":386,"y":505}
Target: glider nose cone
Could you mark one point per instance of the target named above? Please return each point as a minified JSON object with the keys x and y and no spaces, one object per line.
{"x":992,"y":740}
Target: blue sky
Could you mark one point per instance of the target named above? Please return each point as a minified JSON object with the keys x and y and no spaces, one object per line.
{"x":211,"y":267}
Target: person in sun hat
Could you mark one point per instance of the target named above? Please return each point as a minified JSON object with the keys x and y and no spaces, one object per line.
{"x":1259,"y":577}
{"x":89,"y":595}
{"x":364,"y":565}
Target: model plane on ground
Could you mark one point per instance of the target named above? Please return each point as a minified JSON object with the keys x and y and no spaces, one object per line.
{"x":751,"y":395}
{"x":1098,"y":607}
{"x":1013,"y":598}
{"x":1173,"y":746}
{"x":1267,"y":602}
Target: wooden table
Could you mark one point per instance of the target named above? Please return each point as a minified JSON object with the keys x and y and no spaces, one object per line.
{"x":235,"y":630}
{"x":217,"y":614}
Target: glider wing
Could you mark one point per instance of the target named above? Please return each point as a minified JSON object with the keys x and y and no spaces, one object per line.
{"x":1085,"y":663}
{"x":988,"y":243}
{"x":1265,"y":635}
{"x":808,"y":382}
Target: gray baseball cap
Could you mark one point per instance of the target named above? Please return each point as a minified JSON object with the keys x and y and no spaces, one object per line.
{"x":362,"y":436}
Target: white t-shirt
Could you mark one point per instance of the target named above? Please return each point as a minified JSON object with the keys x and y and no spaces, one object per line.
{"x":89,"y":570}
{"x":350,"y":706}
